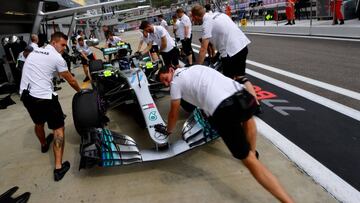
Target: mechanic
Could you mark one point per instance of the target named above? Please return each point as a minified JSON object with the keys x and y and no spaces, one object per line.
{"x":162,"y":21}
{"x":113,"y":40}
{"x":152,"y":46}
{"x":22,"y":57}
{"x":41,"y":101}
{"x":34,"y":41}
{"x":80,"y":33}
{"x":86,"y":56}
{"x":229,"y":40}
{"x":185,"y":35}
{"x":228,"y":105}
{"x":161,"y":36}
{"x":176,"y":23}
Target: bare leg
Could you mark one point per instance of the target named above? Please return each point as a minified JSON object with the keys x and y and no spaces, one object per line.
{"x":40,"y":133}
{"x":249,"y":127}
{"x":86,"y":71}
{"x":265,"y":178}
{"x":190,"y":59}
{"x":59,"y":142}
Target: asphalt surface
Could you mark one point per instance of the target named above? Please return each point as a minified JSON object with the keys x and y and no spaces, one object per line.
{"x":329,"y":136}
{"x":206,"y":174}
{"x":330,"y":61}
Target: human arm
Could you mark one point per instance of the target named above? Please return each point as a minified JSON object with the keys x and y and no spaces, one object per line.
{"x":140,"y":45}
{"x":147,"y":49}
{"x":173,"y":115}
{"x":187,"y":26}
{"x":82,"y":52}
{"x":205,"y":40}
{"x":174,"y":29}
{"x":163,"y":44}
{"x":84,"y":55}
{"x":108,"y":43}
{"x":186,"y":31}
{"x":70,"y":79}
{"x":203,"y":50}
{"x":211,"y":50}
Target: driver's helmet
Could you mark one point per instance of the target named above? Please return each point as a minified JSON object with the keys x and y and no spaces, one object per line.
{"x":121,"y":43}
{"x":5,"y":40}
{"x":13,"y":39}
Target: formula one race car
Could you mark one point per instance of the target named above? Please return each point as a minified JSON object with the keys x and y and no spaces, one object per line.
{"x":115,"y":80}
{"x":118,"y":82}
{"x":121,"y":49}
{"x":103,"y":147}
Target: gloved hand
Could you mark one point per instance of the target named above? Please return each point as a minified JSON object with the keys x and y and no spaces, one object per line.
{"x":137,"y":53}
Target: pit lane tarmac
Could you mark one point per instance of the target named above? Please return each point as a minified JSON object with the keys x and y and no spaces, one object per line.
{"x":206,"y":174}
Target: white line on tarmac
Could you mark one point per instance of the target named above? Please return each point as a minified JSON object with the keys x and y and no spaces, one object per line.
{"x":324,"y":85}
{"x":339,"y":188}
{"x":353,"y":113}
{"x":195,"y":45}
{"x":303,"y":36}
{"x":333,"y":88}
{"x":336,"y":186}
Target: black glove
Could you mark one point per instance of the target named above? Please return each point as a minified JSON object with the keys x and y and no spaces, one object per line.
{"x":138,"y":53}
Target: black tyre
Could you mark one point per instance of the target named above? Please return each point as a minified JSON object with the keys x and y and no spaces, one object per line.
{"x":86,"y":111}
{"x":95,"y":65}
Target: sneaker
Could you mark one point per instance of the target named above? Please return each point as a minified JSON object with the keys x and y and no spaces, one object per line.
{"x":49,"y":139}
{"x":86,"y":79}
{"x":59,"y":173}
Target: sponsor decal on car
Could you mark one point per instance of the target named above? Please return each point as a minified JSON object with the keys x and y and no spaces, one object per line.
{"x":148,"y":106}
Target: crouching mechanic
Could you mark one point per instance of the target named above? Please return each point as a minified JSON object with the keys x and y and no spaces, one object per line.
{"x":41,"y":101}
{"x":219,"y":30}
{"x":227,"y":104}
{"x":86,"y":56}
{"x":152,"y":47}
{"x":161,"y":37}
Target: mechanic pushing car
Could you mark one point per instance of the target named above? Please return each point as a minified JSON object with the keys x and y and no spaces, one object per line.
{"x":41,"y":101}
{"x":228,"y":104}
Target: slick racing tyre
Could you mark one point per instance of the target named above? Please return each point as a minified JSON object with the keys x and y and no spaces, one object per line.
{"x":86,"y":111}
{"x":95,"y":65}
